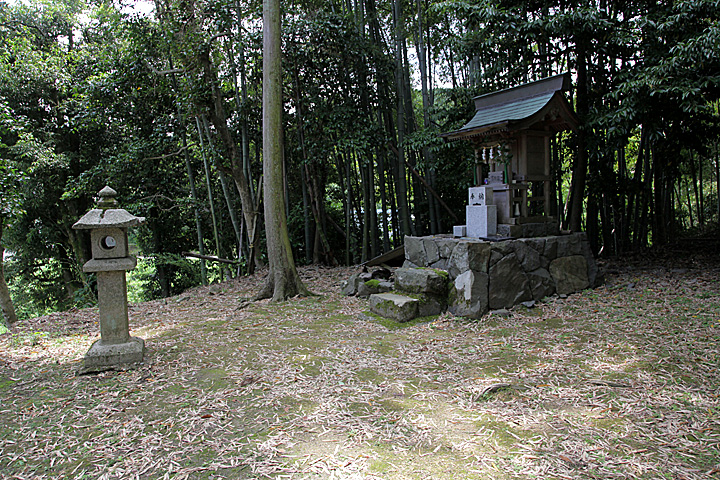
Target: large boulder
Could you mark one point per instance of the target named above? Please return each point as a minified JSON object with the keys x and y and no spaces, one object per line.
{"x":421,"y":280}
{"x":570,"y":274}
{"x":538,"y":229}
{"x":396,"y":307}
{"x":541,"y":283}
{"x":473,"y":256}
{"x":415,"y":251}
{"x":431,"y":305}
{"x":441,"y":264}
{"x":569,"y":245}
{"x":528,"y":257}
{"x":509,"y":285}
{"x":370,"y":287}
{"x":504,"y":248}
{"x":537,"y":244}
{"x":432,"y":252}
{"x":550,"y":249}
{"x":469,"y":295}
{"x":350,"y":287}
{"x":446,"y":246}
{"x":594,"y":276}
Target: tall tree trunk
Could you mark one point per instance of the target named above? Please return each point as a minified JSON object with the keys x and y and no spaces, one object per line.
{"x":623,"y":198}
{"x":677,"y":205}
{"x":401,"y":179}
{"x":645,"y":204}
{"x":283,"y":280}
{"x":159,"y":247}
{"x":396,"y":234}
{"x":313,"y":186}
{"x":717,"y":179}
{"x":243,"y":113}
{"x":577,"y":194}
{"x":693,"y":172}
{"x":307,"y":225}
{"x":659,"y":220}
{"x":372,"y":208}
{"x":208,"y":184}
{"x":344,"y":176}
{"x":689,"y":201}
{"x":635,"y":197}
{"x":451,"y":57}
{"x":427,"y":155}
{"x":365,"y":210}
{"x":702,"y":194}
{"x":196,"y":203}
{"x":226,"y":190}
{"x":557,"y":166}
{"x":317,"y":207}
{"x":191,"y":180}
{"x":8,"y":309}
{"x":218,"y":118}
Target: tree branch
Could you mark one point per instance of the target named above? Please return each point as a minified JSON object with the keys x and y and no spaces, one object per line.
{"x":211,"y":258}
{"x":168,"y":155}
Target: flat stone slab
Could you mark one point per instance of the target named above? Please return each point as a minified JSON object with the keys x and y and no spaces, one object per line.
{"x":102,"y":356}
{"x":110,"y":264}
{"x":394,"y":306}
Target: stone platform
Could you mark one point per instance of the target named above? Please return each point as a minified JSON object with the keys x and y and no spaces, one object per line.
{"x":485,"y":275}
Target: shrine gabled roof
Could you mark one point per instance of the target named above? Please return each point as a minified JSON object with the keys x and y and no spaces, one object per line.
{"x":512,"y":108}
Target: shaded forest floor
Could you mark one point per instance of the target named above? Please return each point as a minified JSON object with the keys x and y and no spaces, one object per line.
{"x":617,"y":382}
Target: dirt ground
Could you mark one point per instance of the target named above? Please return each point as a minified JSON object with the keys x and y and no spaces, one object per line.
{"x":616,"y":382}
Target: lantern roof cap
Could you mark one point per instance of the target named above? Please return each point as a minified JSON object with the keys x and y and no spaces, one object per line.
{"x":107,"y":215}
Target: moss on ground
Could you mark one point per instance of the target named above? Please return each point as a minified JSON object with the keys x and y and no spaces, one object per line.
{"x":305,"y":387}
{"x":395,"y":325}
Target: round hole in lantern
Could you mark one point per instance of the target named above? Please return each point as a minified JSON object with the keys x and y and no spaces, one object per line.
{"x":108,"y":242}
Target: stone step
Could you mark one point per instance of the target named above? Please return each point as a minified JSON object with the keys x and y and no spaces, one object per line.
{"x":421,"y":280}
{"x":393,"y":306}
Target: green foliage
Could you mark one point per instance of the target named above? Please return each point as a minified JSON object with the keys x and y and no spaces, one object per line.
{"x":86,"y":100}
{"x":36,"y":291}
{"x":11,"y":179}
{"x":179,"y":273}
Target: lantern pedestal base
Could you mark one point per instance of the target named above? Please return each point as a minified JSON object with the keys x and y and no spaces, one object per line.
{"x":106,"y":357}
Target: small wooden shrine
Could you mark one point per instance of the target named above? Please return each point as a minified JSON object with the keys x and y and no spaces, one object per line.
{"x":511,"y":132}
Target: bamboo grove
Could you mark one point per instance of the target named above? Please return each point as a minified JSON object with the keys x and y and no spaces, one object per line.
{"x":165,"y":106}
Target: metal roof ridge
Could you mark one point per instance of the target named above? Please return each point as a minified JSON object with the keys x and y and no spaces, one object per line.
{"x":551,"y":84}
{"x":515,"y":100}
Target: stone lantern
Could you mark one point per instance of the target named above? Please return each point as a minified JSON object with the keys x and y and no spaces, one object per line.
{"x":108,"y":227}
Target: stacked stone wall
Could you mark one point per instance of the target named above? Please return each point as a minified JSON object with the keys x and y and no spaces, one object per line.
{"x":493,"y":275}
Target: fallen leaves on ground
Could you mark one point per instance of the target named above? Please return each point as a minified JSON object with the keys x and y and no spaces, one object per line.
{"x":616,"y":382}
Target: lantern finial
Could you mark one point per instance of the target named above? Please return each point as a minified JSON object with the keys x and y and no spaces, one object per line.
{"x":107,"y":198}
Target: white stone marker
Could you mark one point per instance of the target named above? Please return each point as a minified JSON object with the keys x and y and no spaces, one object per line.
{"x":480,"y":196}
{"x":480,"y":213}
{"x":481,"y":220}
